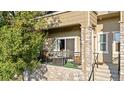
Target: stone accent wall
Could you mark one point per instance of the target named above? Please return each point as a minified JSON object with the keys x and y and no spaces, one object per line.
{"x":57,"y":73}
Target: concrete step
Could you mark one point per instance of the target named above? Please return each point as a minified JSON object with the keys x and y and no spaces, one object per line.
{"x":106,"y":75}
{"x":102,"y":75}
{"x":107,"y":71}
{"x":98,"y":78}
{"x":108,"y":66}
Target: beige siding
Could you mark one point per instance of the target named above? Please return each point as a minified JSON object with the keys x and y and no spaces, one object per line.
{"x":108,"y":25}
{"x":68,"y":18}
{"x":123,"y":16}
{"x":65,"y":31}
{"x":93,"y":18}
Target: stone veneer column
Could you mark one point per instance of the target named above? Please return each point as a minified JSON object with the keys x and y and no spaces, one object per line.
{"x":86,"y":51}
{"x":122,"y":50}
{"x":82,"y":54}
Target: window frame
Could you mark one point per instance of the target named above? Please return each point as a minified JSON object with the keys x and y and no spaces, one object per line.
{"x":101,"y":33}
{"x":71,"y":37}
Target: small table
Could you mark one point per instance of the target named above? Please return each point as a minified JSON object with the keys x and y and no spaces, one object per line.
{"x":59,"y":61}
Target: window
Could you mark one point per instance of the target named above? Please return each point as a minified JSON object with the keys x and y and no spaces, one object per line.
{"x":62,"y":44}
{"x":117,"y":36}
{"x":59,"y":45}
{"x":65,"y":44}
{"x":103,"y":42}
{"x":116,"y":39}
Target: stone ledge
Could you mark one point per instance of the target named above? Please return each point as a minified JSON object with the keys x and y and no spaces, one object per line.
{"x":57,"y":73}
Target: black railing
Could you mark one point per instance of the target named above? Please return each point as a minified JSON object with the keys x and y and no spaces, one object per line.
{"x":119,"y":66}
{"x":93,"y":67}
{"x":96,"y":60}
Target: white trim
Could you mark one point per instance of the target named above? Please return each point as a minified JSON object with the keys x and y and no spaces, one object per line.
{"x":121,"y":16}
{"x":103,"y":32}
{"x":75,"y":43}
{"x":98,"y":36}
{"x":115,"y":31}
{"x":67,"y":37}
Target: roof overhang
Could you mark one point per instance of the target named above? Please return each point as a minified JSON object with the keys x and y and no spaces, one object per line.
{"x":56,"y":13}
{"x":109,"y":15}
{"x":63,"y":26}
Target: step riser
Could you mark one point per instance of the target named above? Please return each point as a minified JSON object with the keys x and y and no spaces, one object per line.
{"x":107,"y":71}
{"x":106,"y":76}
{"x":102,"y":67}
{"x":107,"y":68}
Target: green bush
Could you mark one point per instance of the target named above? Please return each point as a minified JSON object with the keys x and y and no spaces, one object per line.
{"x":21,"y":41}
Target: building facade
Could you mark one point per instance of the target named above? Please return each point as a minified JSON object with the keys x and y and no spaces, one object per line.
{"x":85,"y":36}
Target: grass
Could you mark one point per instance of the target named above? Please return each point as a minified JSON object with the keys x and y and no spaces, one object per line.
{"x":70,"y":65}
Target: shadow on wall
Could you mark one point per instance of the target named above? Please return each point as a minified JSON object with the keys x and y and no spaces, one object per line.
{"x":36,"y":75}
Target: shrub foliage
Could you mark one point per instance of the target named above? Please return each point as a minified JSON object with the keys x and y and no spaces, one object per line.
{"x":21,"y":39}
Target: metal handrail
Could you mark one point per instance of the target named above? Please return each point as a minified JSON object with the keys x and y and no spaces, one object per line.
{"x":92,"y":72}
{"x":96,"y":60}
{"x":93,"y":66}
{"x":115,"y":58}
{"x":119,"y":67}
